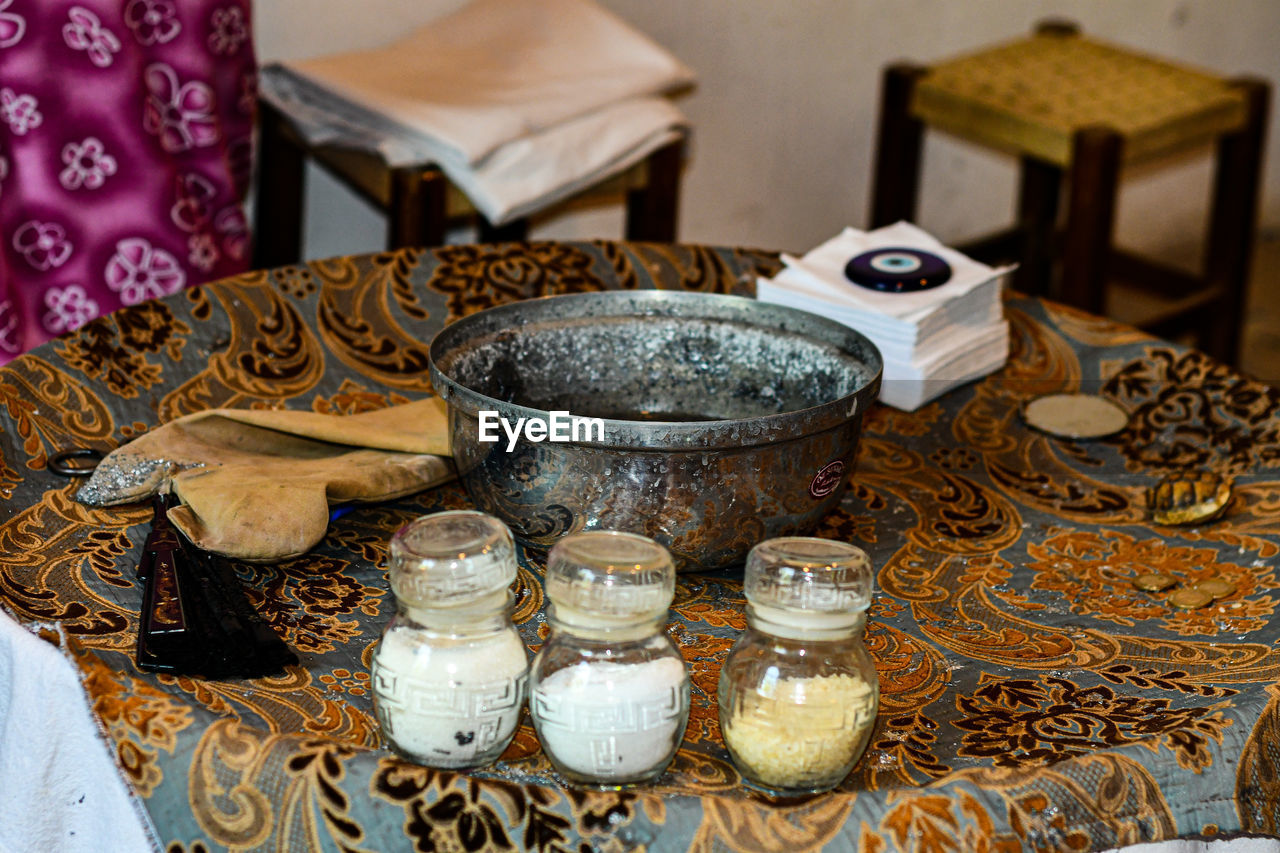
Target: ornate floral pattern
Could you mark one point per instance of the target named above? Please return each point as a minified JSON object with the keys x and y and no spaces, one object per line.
{"x":144,"y":721}
{"x":1095,"y":572}
{"x":12,"y":25}
{"x":152,"y":21}
{"x":192,"y":208}
{"x":103,"y":105}
{"x":69,"y":308}
{"x":9,"y":341}
{"x":85,"y":31}
{"x":228,"y":30}
{"x":139,"y":271}
{"x":115,"y":351}
{"x":1031,"y":697}
{"x":1188,"y":411}
{"x":21,"y":112}
{"x":180,"y":114}
{"x":88,"y":164}
{"x":1017,"y":722}
{"x":44,"y":245}
{"x":509,"y":272}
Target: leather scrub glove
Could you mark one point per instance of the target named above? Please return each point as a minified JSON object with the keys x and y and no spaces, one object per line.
{"x":257,"y":484}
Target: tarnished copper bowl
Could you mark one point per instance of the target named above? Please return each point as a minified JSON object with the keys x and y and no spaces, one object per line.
{"x":722,"y":421}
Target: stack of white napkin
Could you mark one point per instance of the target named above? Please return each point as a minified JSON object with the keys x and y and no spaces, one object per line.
{"x":520,"y":102}
{"x":931,"y":340}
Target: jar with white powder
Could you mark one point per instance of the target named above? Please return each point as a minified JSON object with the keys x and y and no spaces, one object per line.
{"x":798,"y":693}
{"x":450,"y":672}
{"x":608,"y":691}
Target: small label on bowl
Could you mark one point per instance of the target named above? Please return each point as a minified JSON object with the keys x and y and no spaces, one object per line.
{"x":828,"y":479}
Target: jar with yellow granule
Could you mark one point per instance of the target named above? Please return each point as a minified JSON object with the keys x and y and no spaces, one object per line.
{"x":798,"y":692}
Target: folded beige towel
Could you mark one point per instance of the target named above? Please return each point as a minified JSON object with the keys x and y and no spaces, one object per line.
{"x":495,"y":71}
{"x":257,"y":484}
{"x":522,"y":103}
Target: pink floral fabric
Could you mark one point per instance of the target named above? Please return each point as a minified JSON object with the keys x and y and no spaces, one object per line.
{"x":125,"y":151}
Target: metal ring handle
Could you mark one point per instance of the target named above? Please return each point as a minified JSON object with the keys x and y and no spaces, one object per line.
{"x":62,"y":463}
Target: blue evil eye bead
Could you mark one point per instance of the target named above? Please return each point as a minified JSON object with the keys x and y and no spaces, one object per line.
{"x":898,"y":270}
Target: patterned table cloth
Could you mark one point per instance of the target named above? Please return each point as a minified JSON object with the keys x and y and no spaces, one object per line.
{"x":1031,"y":696}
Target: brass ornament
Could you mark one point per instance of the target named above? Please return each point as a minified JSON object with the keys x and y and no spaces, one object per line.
{"x":1188,"y":498}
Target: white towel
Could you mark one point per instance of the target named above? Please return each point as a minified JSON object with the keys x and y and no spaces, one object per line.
{"x":532,"y":172}
{"x":522,"y":103}
{"x":59,"y":789}
{"x":499,"y":70}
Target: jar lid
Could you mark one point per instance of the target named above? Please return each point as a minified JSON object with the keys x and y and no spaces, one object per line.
{"x":801,"y":579}
{"x":451,"y":558}
{"x":602,"y":577}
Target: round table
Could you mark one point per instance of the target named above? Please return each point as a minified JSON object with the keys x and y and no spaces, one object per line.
{"x":1031,"y":695}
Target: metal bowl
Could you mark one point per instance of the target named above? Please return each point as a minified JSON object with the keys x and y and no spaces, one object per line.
{"x":723,"y":420}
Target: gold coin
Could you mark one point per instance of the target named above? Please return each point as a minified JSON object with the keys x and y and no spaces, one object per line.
{"x":1216,"y":587}
{"x":1154,"y":582}
{"x":1190,"y":598}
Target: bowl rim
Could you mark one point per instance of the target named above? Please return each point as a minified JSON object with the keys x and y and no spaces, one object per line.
{"x":635,"y":435}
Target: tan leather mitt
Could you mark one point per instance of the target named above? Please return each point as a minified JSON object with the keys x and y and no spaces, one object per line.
{"x":257,"y":484}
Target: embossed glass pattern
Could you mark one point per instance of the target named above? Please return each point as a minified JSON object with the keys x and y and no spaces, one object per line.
{"x":808,"y":574}
{"x":605,"y":576}
{"x":451,"y":558}
{"x":798,"y":693}
{"x":609,"y":692}
{"x":450,"y":672}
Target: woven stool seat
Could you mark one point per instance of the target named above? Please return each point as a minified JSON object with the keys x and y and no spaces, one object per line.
{"x":1076,"y":111}
{"x":1031,"y":96}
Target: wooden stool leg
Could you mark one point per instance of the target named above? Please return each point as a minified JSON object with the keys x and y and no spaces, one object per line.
{"x":1091,"y":204}
{"x":1040,"y":190}
{"x":416,"y":212}
{"x":277,"y":204}
{"x":652,"y":209}
{"x":515,"y":231}
{"x":899,"y":140}
{"x":1233,"y":223}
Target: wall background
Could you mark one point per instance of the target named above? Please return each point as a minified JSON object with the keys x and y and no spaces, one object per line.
{"x":785,"y":110}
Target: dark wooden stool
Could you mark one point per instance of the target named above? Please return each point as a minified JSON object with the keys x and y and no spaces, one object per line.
{"x":1075,"y":108}
{"x":419,"y":201}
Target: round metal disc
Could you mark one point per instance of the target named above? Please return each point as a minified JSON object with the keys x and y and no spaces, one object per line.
{"x":1075,"y":415}
{"x":1216,"y":587}
{"x":1154,"y":582}
{"x":1190,"y":598}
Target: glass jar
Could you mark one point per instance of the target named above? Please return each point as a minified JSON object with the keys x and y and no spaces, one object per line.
{"x":608,"y":691}
{"x":450,"y":671}
{"x":798,"y":693}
